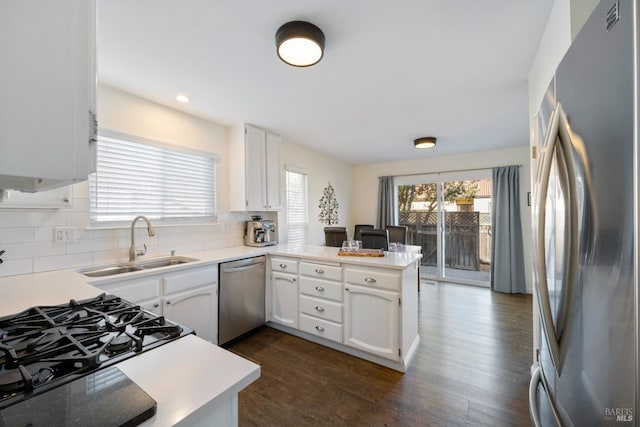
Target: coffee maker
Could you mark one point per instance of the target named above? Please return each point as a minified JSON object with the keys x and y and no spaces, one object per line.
{"x":259,"y":232}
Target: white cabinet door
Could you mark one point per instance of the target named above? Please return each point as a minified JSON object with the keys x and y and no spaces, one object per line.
{"x":284,"y":299}
{"x":255,"y":168}
{"x":372,"y":320}
{"x":272,"y":173}
{"x":48,"y":89}
{"x":196,"y":309}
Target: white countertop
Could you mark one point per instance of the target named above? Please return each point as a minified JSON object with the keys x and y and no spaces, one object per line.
{"x":394,"y":260}
{"x":199,"y":375}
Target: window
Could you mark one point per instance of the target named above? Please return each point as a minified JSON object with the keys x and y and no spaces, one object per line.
{"x":134,"y":178}
{"x":297,"y":206}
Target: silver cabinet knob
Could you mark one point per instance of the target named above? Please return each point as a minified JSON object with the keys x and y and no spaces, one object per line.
{"x":319,"y":289}
{"x":283,"y":266}
{"x":156,"y":305}
{"x":320,"y":309}
{"x":319,"y":328}
{"x":319,"y":271}
{"x":370,"y":280}
{"x":168,"y":302}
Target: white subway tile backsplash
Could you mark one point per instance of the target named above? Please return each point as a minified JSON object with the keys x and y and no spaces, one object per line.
{"x":61,"y":262}
{"x":78,"y":219}
{"x":16,"y":235}
{"x":43,"y":234}
{"x":27,"y":235}
{"x":16,"y":266}
{"x":110,"y":257}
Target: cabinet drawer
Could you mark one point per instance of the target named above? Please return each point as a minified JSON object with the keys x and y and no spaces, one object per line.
{"x":321,"y":328}
{"x":134,"y":291}
{"x":190,"y":279}
{"x":321,"y":308}
{"x":284,"y":265}
{"x":372,"y":277}
{"x":323,"y":271}
{"x":321,"y":288}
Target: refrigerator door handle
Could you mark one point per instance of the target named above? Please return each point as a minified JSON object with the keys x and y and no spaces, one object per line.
{"x":536,"y":379}
{"x":557,"y":143}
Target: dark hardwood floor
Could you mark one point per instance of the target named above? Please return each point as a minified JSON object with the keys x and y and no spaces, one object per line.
{"x":471,"y":369}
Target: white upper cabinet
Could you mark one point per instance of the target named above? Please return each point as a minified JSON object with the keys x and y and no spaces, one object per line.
{"x":255,"y":175}
{"x":47,"y":93}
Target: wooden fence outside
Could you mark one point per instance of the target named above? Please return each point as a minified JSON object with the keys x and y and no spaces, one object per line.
{"x":462,"y":238}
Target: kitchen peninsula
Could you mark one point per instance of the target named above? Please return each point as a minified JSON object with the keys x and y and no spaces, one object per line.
{"x":363,"y":306}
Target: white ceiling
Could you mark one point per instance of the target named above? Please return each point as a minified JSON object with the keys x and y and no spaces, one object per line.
{"x":392,"y":71}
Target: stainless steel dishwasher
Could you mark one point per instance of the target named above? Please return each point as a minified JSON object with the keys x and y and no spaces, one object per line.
{"x":241,"y":297}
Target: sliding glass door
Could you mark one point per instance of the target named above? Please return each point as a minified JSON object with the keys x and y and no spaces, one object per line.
{"x":449,"y":216}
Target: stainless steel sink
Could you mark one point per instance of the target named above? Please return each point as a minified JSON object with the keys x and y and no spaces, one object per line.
{"x":112,"y":270}
{"x":164,"y":262}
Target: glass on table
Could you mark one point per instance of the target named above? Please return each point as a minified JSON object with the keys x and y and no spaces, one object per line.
{"x":350,"y":245}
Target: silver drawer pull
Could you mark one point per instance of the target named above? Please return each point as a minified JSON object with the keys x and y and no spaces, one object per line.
{"x":320,"y":309}
{"x":283,"y":266}
{"x":319,"y":271}
{"x":370,"y":280}
{"x":320,"y":328}
{"x":319,"y":289}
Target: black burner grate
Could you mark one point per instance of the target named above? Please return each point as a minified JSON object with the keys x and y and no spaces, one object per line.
{"x":43,"y":347}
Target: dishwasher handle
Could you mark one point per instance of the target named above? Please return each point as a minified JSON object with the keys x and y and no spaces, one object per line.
{"x":242,"y":268}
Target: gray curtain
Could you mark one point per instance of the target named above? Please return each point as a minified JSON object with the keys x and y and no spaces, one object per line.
{"x":507,"y":257}
{"x":386,"y":209}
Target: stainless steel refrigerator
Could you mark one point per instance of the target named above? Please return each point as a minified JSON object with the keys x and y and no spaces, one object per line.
{"x":586,"y":229}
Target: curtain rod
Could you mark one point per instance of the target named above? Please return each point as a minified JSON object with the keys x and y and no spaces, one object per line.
{"x":451,"y":171}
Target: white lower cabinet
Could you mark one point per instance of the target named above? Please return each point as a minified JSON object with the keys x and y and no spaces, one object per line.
{"x":197,"y":309}
{"x":372,"y":320}
{"x":284,"y":299}
{"x":188,"y":297}
{"x":283,"y":291}
{"x":321,"y":300}
{"x":368,"y":311}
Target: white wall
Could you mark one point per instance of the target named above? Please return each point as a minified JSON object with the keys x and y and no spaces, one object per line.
{"x":365,"y":188}
{"x":321,"y":170}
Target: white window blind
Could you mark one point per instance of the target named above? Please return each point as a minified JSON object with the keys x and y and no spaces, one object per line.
{"x":297,"y":207}
{"x":140,"y":179}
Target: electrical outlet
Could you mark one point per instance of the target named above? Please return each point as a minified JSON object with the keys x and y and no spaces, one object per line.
{"x":64,"y":234}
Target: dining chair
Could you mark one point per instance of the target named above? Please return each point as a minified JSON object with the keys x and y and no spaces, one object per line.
{"x":374,"y":239}
{"x":358,"y":228}
{"x":334,"y":236}
{"x":398,"y":233}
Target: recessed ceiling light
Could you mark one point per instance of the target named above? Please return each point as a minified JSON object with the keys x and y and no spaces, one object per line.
{"x":425,"y":142}
{"x":182,"y":98}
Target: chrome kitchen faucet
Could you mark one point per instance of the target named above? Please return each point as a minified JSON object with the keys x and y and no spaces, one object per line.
{"x":132,"y":250}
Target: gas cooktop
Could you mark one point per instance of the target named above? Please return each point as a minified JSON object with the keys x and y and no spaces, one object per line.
{"x":45,"y":347}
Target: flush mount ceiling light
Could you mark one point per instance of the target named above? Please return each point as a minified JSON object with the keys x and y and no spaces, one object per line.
{"x":425,"y":142}
{"x":300,"y":43}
